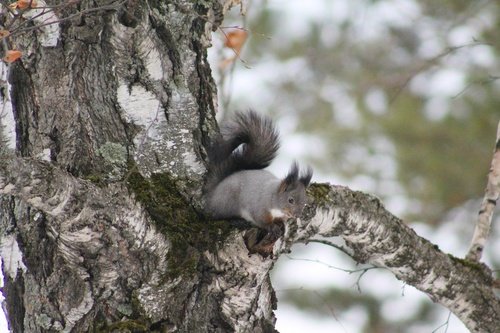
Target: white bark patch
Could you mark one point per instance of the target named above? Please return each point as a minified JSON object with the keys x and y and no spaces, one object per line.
{"x":83,"y":235}
{"x":152,"y":59}
{"x":44,"y":155}
{"x":323,"y":220}
{"x":12,"y":256}
{"x":6,"y":188}
{"x":192,"y":162}
{"x":48,"y":23}
{"x":153,"y":65}
{"x":434,"y":282}
{"x":142,"y":108}
{"x":7,"y":122}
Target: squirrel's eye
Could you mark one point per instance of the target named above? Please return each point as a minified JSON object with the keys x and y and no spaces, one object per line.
{"x":291,"y":201}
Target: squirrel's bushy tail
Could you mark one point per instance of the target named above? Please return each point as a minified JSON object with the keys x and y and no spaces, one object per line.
{"x":259,"y":142}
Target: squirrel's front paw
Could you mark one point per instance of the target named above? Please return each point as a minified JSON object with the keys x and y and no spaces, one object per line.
{"x":262,"y":241}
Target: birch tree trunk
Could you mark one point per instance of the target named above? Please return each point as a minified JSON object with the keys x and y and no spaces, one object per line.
{"x":104,"y":123}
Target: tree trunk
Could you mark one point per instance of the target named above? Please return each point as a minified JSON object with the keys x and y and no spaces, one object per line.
{"x":105,"y":121}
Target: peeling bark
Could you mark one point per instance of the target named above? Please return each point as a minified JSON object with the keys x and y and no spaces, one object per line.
{"x":100,"y":194}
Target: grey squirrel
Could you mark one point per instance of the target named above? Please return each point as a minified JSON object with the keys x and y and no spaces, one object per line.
{"x":237,"y":187}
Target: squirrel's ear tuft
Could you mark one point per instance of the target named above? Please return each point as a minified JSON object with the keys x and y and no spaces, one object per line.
{"x":293,"y":174}
{"x":291,"y":178}
{"x":305,"y":178}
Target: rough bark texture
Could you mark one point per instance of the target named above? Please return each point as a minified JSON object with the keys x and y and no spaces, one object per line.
{"x":100,"y":190}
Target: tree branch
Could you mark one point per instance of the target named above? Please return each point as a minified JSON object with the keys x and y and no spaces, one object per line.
{"x":490,"y":199}
{"x":373,"y":235}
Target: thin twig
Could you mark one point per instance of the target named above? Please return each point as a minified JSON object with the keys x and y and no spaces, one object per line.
{"x":332,"y":244}
{"x":80,"y":13}
{"x":488,"y":80}
{"x":344,"y":250}
{"x":445,"y":324}
{"x":315,"y":292}
{"x":32,"y":18}
{"x":6,"y":6}
{"x":350,"y":271}
{"x":419,"y":67}
{"x":330,"y":308}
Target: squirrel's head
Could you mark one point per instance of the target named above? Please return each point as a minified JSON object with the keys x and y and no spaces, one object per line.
{"x":292,"y":190}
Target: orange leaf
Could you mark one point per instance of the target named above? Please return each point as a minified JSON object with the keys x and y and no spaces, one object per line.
{"x":12,"y":55}
{"x":235,"y":39}
{"x":4,"y":33}
{"x":23,"y":4}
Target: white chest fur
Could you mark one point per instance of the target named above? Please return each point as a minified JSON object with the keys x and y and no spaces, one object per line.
{"x":277,"y":213}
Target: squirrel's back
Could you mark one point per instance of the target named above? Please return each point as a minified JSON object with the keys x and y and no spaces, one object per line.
{"x":244,"y":194}
{"x":236,"y":185}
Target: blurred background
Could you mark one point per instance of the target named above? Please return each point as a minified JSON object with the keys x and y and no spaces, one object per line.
{"x":398,"y":98}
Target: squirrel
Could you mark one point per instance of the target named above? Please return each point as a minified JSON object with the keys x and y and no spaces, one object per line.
{"x":238,"y":187}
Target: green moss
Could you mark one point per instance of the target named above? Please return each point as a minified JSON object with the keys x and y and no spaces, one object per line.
{"x":189,"y":232}
{"x":97,"y":179}
{"x":481,"y":268}
{"x":125,"y":326}
{"x":466,"y":262}
{"x":320,"y":192}
{"x":136,"y":303}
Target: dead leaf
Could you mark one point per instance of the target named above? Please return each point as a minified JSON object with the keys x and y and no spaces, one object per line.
{"x":235,"y":39}
{"x":12,"y":55}
{"x":23,"y":4}
{"x":4,"y":33}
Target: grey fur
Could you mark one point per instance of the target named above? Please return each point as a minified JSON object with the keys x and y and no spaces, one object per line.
{"x":238,"y":187}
